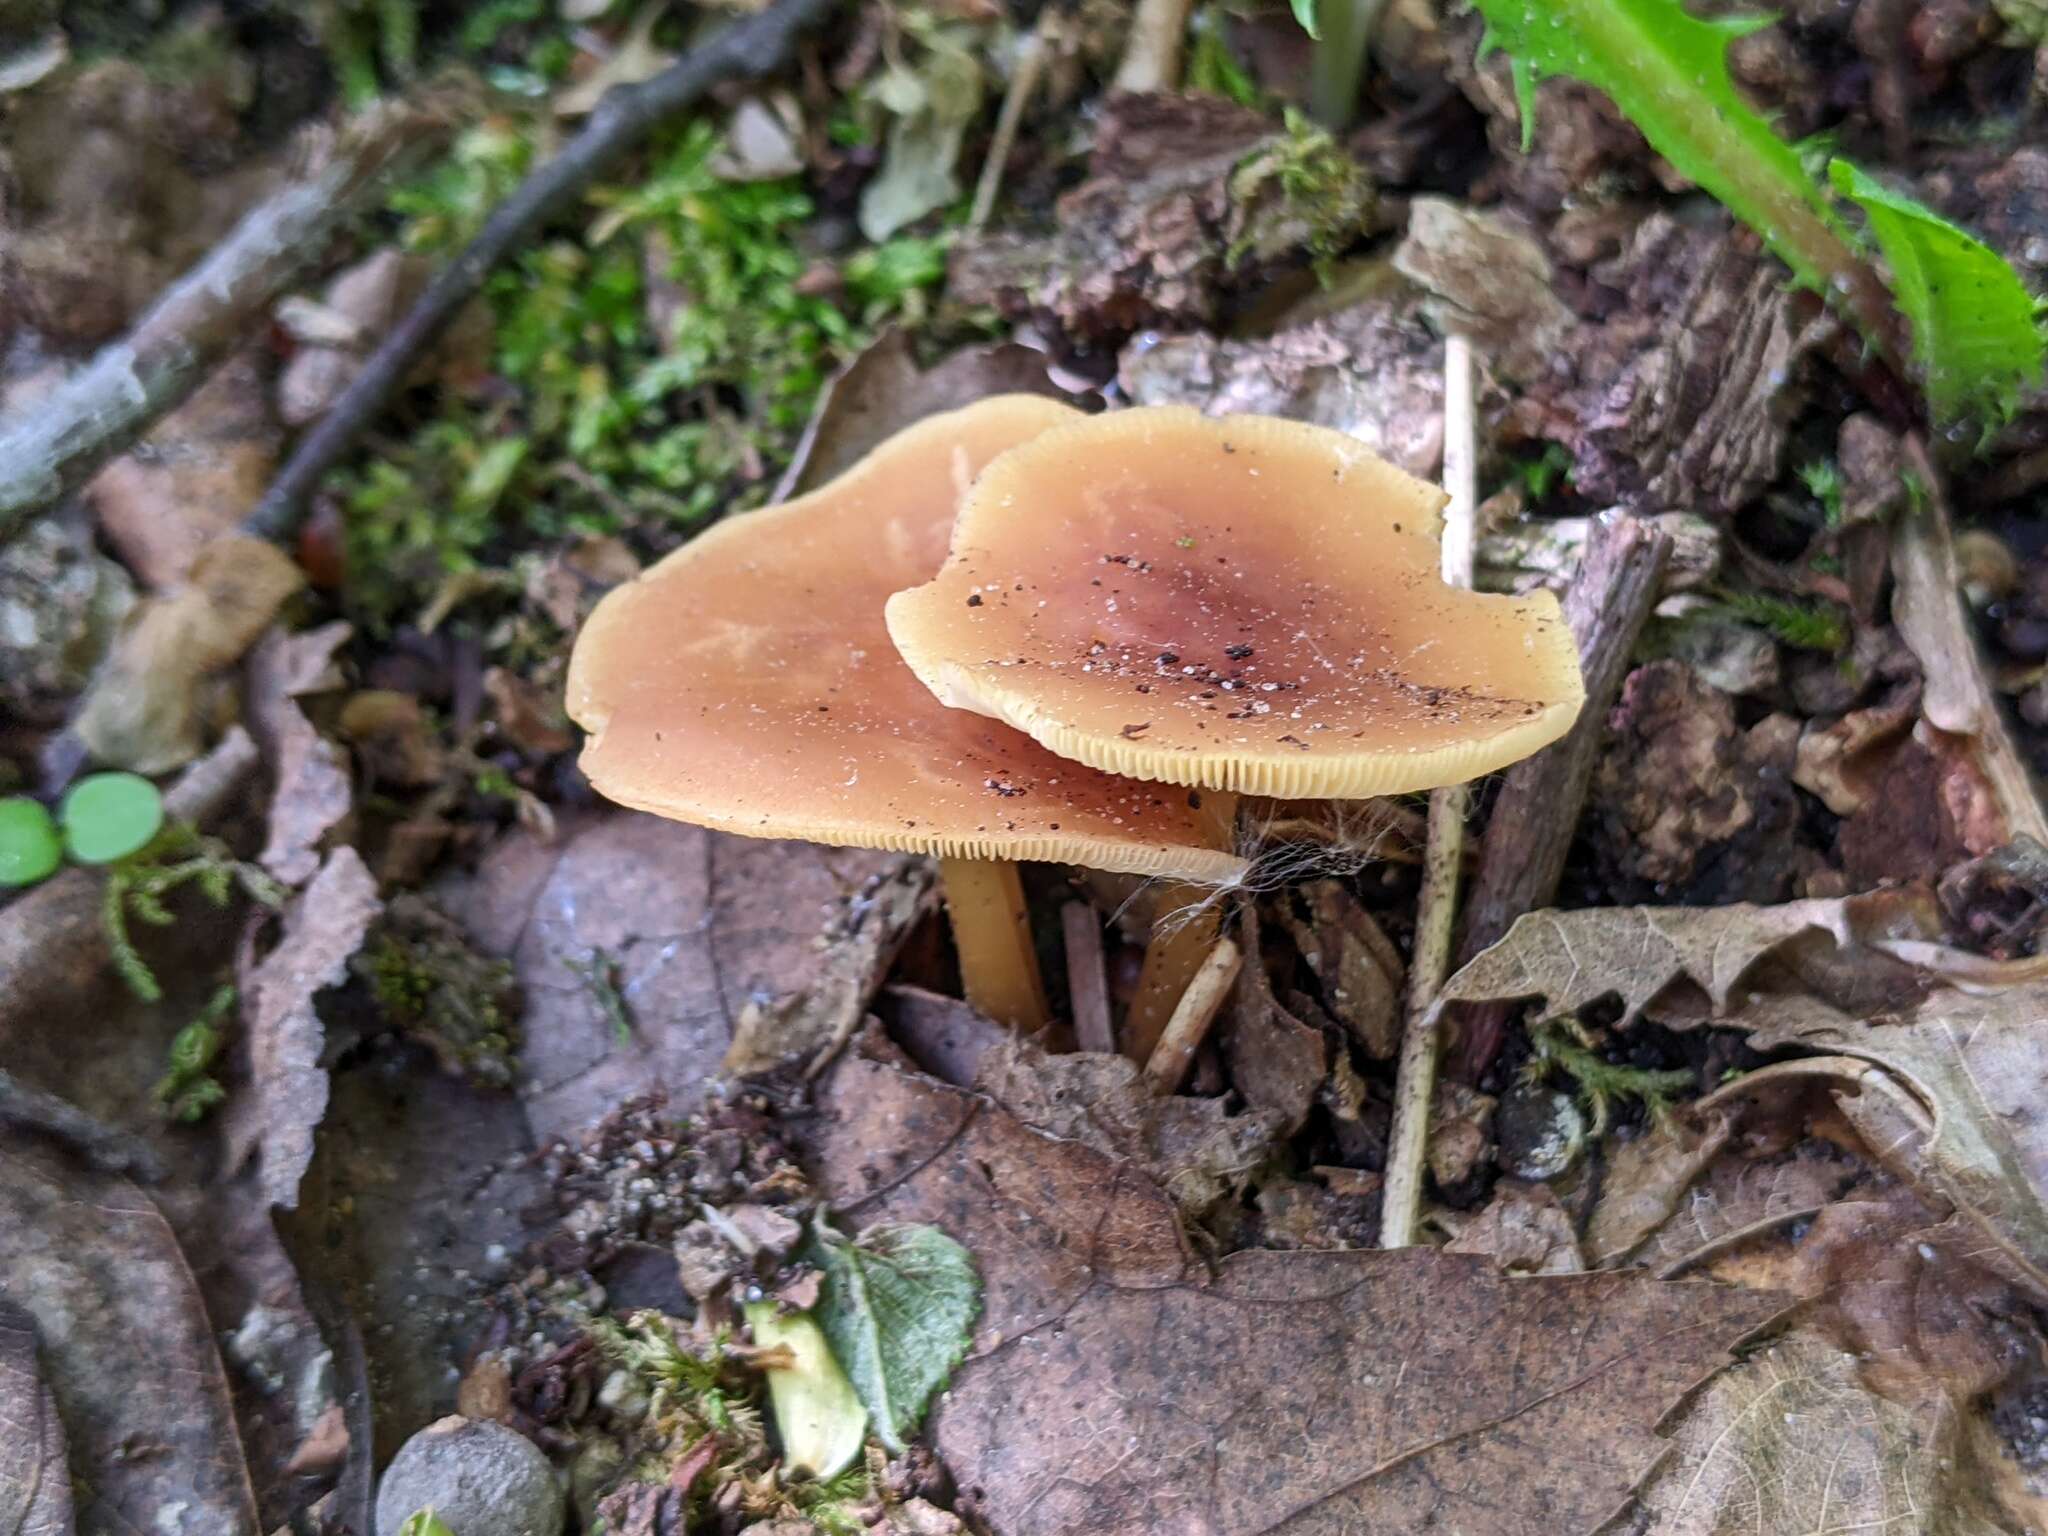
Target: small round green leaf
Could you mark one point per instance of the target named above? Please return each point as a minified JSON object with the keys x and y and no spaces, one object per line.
{"x":108,"y":816}
{"x":29,"y":849}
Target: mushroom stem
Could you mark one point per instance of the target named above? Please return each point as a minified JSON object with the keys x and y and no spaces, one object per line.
{"x":1186,"y":920}
{"x":992,"y":932}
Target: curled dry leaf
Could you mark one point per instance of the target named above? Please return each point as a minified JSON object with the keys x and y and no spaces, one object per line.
{"x":1359,"y":970}
{"x":313,"y":789}
{"x":1118,"y":1386}
{"x":1953,"y":1039}
{"x":1646,"y":1179}
{"x":126,"y":1348}
{"x":323,"y":928}
{"x":146,"y":710}
{"x":35,"y":1482}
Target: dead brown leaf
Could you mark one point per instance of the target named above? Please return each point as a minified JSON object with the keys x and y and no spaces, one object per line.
{"x":1647,"y":1177}
{"x":1950,"y":1100}
{"x":1359,"y":970}
{"x":1195,"y":1149}
{"x":1118,"y":1388}
{"x":1276,"y":1061}
{"x":1524,"y":1229}
{"x":193,"y":478}
{"x":313,"y":789}
{"x":713,"y":952}
{"x":882,"y":391}
{"x":147,"y":708}
{"x":1488,"y":280}
{"x":35,"y":1482}
{"x":1791,"y":1442}
{"x":283,"y":1104}
{"x":126,"y":1348}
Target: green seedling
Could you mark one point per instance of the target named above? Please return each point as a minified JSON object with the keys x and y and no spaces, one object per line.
{"x":425,"y":1522}
{"x":819,"y":1417}
{"x":104,"y":817}
{"x":108,"y":816}
{"x":30,"y":848}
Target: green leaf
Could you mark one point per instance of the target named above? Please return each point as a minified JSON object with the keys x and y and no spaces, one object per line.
{"x":1668,"y":72}
{"x":29,"y":848}
{"x":425,"y":1522}
{"x":817,"y":1414}
{"x":899,"y":1307}
{"x":108,"y":816}
{"x":1305,"y":13}
{"x":1974,"y":331}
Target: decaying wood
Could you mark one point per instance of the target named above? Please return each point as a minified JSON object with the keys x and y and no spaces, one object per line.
{"x":55,"y":445}
{"x":1927,"y":606}
{"x":1087,"y":979}
{"x":626,"y":115}
{"x":1521,"y":857}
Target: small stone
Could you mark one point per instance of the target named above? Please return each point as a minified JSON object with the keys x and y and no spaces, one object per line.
{"x":482,"y":1479}
{"x":1541,"y":1132}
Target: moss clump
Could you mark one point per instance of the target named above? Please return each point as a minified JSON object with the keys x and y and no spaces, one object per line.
{"x":1298,"y":191}
{"x":429,"y":983}
{"x":1566,"y":1046}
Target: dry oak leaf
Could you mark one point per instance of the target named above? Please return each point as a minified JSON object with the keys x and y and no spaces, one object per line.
{"x":1791,"y":1442}
{"x":314,"y":790}
{"x":283,"y":1106}
{"x":126,"y":1348}
{"x":1119,"y":1387}
{"x":1952,"y":1101}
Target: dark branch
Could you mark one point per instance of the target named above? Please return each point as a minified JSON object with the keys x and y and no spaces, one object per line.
{"x":1521,"y":858}
{"x":625,"y":116}
{"x":51,"y":448}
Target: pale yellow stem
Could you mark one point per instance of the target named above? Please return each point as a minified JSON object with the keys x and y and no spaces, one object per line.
{"x":992,"y":932}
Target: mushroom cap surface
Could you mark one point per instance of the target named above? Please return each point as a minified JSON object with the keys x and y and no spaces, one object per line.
{"x":747,"y":683}
{"x":1240,"y":603}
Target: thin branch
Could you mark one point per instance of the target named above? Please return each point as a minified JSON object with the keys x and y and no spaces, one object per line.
{"x":1152,"y":51}
{"x":1415,"y":1074}
{"x":51,"y":448}
{"x":626,"y":116}
{"x":1087,"y":978}
{"x":1032,"y":54}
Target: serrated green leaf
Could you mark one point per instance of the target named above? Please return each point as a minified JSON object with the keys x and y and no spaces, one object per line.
{"x":899,"y":1307}
{"x":1305,"y":13}
{"x":1668,"y":72}
{"x":817,"y":1412}
{"x":1974,"y":330}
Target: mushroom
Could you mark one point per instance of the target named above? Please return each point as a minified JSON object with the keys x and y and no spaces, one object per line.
{"x":1241,"y":604}
{"x":747,"y":683}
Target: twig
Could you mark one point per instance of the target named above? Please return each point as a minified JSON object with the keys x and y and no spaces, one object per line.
{"x":1031,"y":57}
{"x":1415,"y":1074}
{"x":108,"y":1149}
{"x":1151,"y":60}
{"x":1927,"y":606}
{"x":1192,"y":1016}
{"x":51,"y":448}
{"x":1715,"y":1247}
{"x":1087,"y":981}
{"x":626,"y":115}
{"x":1522,"y":856}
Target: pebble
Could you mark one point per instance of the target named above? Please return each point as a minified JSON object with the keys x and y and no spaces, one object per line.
{"x":482,"y":1479}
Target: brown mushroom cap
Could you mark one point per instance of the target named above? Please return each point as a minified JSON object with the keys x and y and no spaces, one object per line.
{"x":1239,"y":602}
{"x":747,"y":682}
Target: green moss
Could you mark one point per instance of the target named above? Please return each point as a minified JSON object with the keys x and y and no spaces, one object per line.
{"x":430,"y":983}
{"x":1815,"y":627}
{"x":614,"y":422}
{"x":188,"y":1090}
{"x":139,"y":889}
{"x":1300,"y":191}
{"x":1564,"y":1047}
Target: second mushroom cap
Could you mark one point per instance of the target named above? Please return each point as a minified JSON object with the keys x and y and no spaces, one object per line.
{"x":1241,"y":603}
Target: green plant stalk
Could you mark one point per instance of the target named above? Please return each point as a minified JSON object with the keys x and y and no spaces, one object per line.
{"x":1338,"y":63}
{"x":1668,"y":73}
